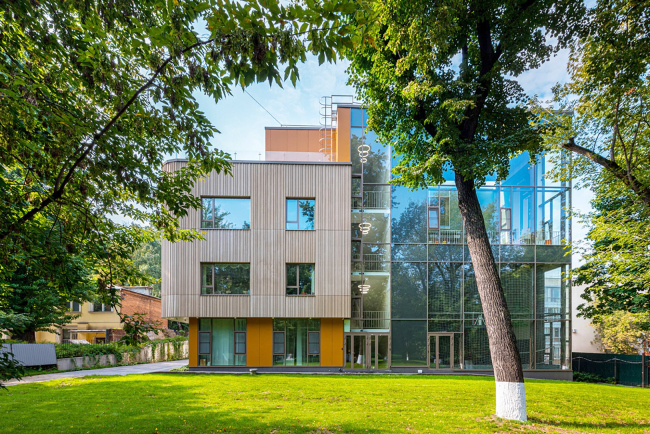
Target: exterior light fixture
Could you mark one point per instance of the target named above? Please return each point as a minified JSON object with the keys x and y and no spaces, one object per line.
{"x":364,"y":150}
{"x":365,"y":227}
{"x":364,"y":288}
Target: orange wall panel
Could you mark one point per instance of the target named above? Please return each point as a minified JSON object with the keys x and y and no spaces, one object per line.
{"x":194,"y":342}
{"x":343,"y":135}
{"x":331,"y":332}
{"x":259,"y":342}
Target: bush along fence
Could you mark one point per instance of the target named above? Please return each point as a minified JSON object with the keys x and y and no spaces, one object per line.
{"x":77,"y":356}
{"x":612,"y":368}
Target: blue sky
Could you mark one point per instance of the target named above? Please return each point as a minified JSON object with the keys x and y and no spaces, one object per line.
{"x":241,"y":120}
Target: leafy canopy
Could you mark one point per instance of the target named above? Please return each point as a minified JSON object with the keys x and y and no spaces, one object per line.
{"x":95,"y":96}
{"x":439,"y":81}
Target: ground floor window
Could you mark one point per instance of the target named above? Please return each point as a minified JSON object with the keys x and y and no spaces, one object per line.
{"x":222,"y":342}
{"x":296,"y":342}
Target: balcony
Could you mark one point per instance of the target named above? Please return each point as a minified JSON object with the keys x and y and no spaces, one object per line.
{"x":372,"y":320}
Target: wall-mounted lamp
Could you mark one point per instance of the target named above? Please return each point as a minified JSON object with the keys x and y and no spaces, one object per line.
{"x":364,"y":150}
{"x":365,"y":227}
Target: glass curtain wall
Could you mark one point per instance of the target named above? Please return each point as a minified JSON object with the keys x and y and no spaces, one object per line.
{"x":371,"y":228}
{"x":410,"y":247}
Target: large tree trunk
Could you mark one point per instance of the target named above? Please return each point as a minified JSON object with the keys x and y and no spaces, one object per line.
{"x":508,"y":374}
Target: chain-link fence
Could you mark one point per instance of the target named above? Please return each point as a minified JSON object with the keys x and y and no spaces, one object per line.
{"x":623,"y":368}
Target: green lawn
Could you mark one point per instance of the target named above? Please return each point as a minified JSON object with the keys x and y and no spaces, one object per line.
{"x":187,"y":403}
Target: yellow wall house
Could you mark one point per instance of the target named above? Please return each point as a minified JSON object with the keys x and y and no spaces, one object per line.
{"x":96,"y":320}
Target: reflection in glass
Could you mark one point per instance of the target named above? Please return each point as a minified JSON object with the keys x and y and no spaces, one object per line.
{"x":408,"y":289}
{"x":521,"y":173}
{"x":552,"y":291}
{"x":376,"y":196}
{"x":448,"y":252}
{"x":472,"y":300}
{"x":409,"y":215}
{"x":371,"y":307}
{"x":489,"y":200}
{"x":517,"y":282}
{"x":226,"y":278}
{"x":524,"y":335}
{"x":409,"y":252}
{"x":359,"y":347}
{"x":552,"y":345}
{"x":553,"y":254}
{"x":225,"y":213}
{"x":443,"y":204}
{"x":552,"y":223}
{"x":477,"y":347}
{"x":409,"y":343}
{"x":445,"y":280}
{"x":300,"y":214}
{"x":301,"y":339}
{"x":378,"y":230}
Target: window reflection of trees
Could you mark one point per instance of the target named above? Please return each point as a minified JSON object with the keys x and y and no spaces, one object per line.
{"x":409,"y":286}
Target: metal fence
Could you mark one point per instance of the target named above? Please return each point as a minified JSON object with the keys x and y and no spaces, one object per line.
{"x":623,"y":368}
{"x":31,"y":354}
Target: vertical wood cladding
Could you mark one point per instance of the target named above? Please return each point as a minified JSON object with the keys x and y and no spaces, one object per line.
{"x":267,"y":245}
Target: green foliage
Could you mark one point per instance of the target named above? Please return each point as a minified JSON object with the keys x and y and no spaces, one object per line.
{"x":617,"y":264}
{"x":601,"y":114}
{"x":623,"y":332}
{"x":136,"y":328}
{"x":183,"y":368}
{"x":95,"y":96}
{"x":9,"y":368}
{"x":147,"y":259}
{"x":438,"y":81}
{"x":297,"y":404}
{"x":115,"y":348}
{"x":586,"y":377}
{"x":602,"y":119}
{"x":38,"y":284}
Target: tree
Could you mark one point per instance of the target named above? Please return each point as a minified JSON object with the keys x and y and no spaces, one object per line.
{"x":601,"y":114}
{"x":438,"y":82}
{"x":136,"y":328}
{"x":96,"y":95}
{"x":10,"y":368}
{"x":617,"y":264}
{"x":623,"y":332}
{"x":147,"y":259}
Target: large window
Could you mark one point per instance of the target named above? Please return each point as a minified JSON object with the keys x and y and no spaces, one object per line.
{"x":225,"y":279}
{"x":296,"y":342}
{"x":222,"y":342}
{"x":300,"y":279}
{"x":225,"y":213}
{"x":300,"y":214}
{"x":73,"y":306}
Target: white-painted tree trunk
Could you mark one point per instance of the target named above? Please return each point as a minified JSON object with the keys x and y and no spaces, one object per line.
{"x":511,"y":401}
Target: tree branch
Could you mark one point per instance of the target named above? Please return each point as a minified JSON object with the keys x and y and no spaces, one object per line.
{"x":612,"y":167}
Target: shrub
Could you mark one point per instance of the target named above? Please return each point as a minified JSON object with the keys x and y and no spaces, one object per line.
{"x":586,"y":377}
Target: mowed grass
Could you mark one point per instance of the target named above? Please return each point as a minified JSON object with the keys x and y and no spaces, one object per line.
{"x":185,"y":403}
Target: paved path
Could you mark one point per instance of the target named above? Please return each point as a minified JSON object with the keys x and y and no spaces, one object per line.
{"x":146,"y":368}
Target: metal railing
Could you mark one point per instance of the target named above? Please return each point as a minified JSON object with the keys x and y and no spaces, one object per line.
{"x":372,"y":320}
{"x":376,"y":199}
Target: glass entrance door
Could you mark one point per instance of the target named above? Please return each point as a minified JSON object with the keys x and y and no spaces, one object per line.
{"x":366,"y":351}
{"x":441,"y":351}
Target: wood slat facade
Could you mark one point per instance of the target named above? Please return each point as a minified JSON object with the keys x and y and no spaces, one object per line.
{"x":267,"y":246}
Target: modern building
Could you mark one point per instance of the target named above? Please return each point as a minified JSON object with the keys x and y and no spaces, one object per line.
{"x":100,"y":323}
{"x":583,"y":333}
{"x":312,"y":260}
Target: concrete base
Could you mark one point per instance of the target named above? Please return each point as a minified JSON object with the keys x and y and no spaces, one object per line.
{"x":537,"y":374}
